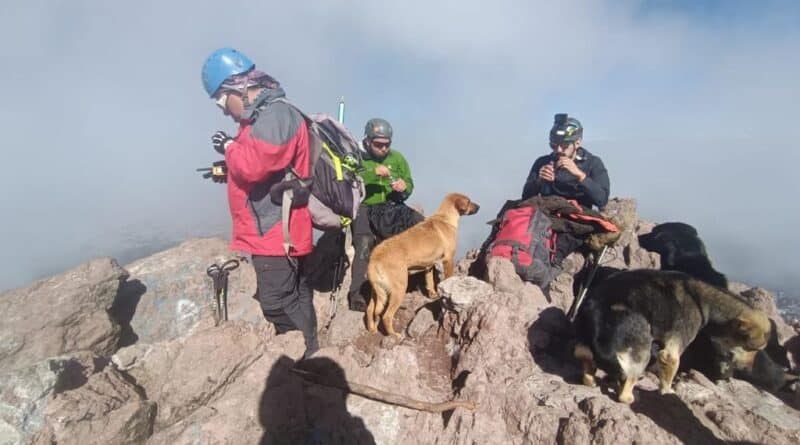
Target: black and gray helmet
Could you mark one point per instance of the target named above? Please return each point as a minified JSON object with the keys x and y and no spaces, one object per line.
{"x":565,"y":130}
{"x":378,"y":128}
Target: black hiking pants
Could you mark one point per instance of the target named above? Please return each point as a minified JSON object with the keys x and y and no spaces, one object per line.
{"x":363,"y":242}
{"x":285,"y":297}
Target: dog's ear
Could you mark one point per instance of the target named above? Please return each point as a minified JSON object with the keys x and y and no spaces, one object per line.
{"x":462,"y":204}
{"x":753,"y":328}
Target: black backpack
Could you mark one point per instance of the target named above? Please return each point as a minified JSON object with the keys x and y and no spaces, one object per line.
{"x":326,"y":265}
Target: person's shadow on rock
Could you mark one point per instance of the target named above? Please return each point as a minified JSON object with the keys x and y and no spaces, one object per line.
{"x":293,"y":410}
{"x":551,"y":339}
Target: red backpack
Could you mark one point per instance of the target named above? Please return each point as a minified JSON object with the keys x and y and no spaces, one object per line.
{"x":526,"y":237}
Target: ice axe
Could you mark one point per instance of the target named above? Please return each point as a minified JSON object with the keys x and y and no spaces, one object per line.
{"x":219,"y":275}
{"x":574,"y":310}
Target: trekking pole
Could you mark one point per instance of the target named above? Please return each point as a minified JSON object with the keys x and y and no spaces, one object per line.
{"x":338,"y":271}
{"x":334,"y":293}
{"x":585,"y":288}
{"x":219,"y":275}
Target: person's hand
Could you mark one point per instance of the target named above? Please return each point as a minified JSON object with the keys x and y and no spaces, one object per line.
{"x":382,"y":171}
{"x":220,"y":140}
{"x":399,"y":185}
{"x":569,"y":165}
{"x":546,"y":173}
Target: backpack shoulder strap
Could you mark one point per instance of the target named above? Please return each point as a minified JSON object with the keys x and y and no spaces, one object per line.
{"x":289,"y":174}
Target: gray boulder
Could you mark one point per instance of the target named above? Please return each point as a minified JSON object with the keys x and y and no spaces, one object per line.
{"x":26,"y":392}
{"x":182,"y":375}
{"x":106,"y":409}
{"x":169,"y":293}
{"x":62,"y":314}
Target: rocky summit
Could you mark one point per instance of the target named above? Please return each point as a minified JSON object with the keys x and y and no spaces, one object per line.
{"x":127,"y":355}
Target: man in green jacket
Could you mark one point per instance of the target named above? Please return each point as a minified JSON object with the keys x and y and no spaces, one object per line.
{"x":388,"y":183}
{"x":386,"y":174}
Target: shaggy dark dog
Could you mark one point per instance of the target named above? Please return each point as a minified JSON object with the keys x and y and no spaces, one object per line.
{"x":681,"y":249}
{"x":631,"y":310}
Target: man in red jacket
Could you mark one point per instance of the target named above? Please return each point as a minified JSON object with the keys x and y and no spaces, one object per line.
{"x":272,"y":138}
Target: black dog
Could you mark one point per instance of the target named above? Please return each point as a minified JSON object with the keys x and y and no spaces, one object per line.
{"x":681,"y":249}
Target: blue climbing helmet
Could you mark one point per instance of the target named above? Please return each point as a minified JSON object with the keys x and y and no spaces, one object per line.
{"x":222,"y":64}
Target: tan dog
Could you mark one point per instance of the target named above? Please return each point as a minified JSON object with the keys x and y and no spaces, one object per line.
{"x":415,"y":250}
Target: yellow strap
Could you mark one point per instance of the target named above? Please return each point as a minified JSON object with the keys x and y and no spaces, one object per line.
{"x":337,"y":163}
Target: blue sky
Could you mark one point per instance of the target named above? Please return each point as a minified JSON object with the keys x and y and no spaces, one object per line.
{"x":692,"y":106}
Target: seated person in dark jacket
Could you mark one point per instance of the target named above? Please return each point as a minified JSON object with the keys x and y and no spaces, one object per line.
{"x":570,"y":171}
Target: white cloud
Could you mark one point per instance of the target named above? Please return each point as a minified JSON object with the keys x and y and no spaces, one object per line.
{"x":105,"y":120}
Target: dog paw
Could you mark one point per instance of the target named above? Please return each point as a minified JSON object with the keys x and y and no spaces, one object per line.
{"x":666,"y":390}
{"x":626,"y":398}
{"x":589,"y":380}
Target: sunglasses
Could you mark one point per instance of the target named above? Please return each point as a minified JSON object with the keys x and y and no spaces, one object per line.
{"x":380,"y":144}
{"x":222,"y":100}
{"x":563,"y":146}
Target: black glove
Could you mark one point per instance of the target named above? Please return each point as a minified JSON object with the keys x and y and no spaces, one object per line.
{"x":220,"y":140}
{"x":219,"y":172}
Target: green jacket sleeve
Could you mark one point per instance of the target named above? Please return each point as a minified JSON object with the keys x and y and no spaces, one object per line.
{"x":404,"y":173}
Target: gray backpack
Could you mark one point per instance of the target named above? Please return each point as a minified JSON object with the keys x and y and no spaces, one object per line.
{"x":334,"y":191}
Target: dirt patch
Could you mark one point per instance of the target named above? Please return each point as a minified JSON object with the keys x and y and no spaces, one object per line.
{"x":368,"y":342}
{"x":435,"y":362}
